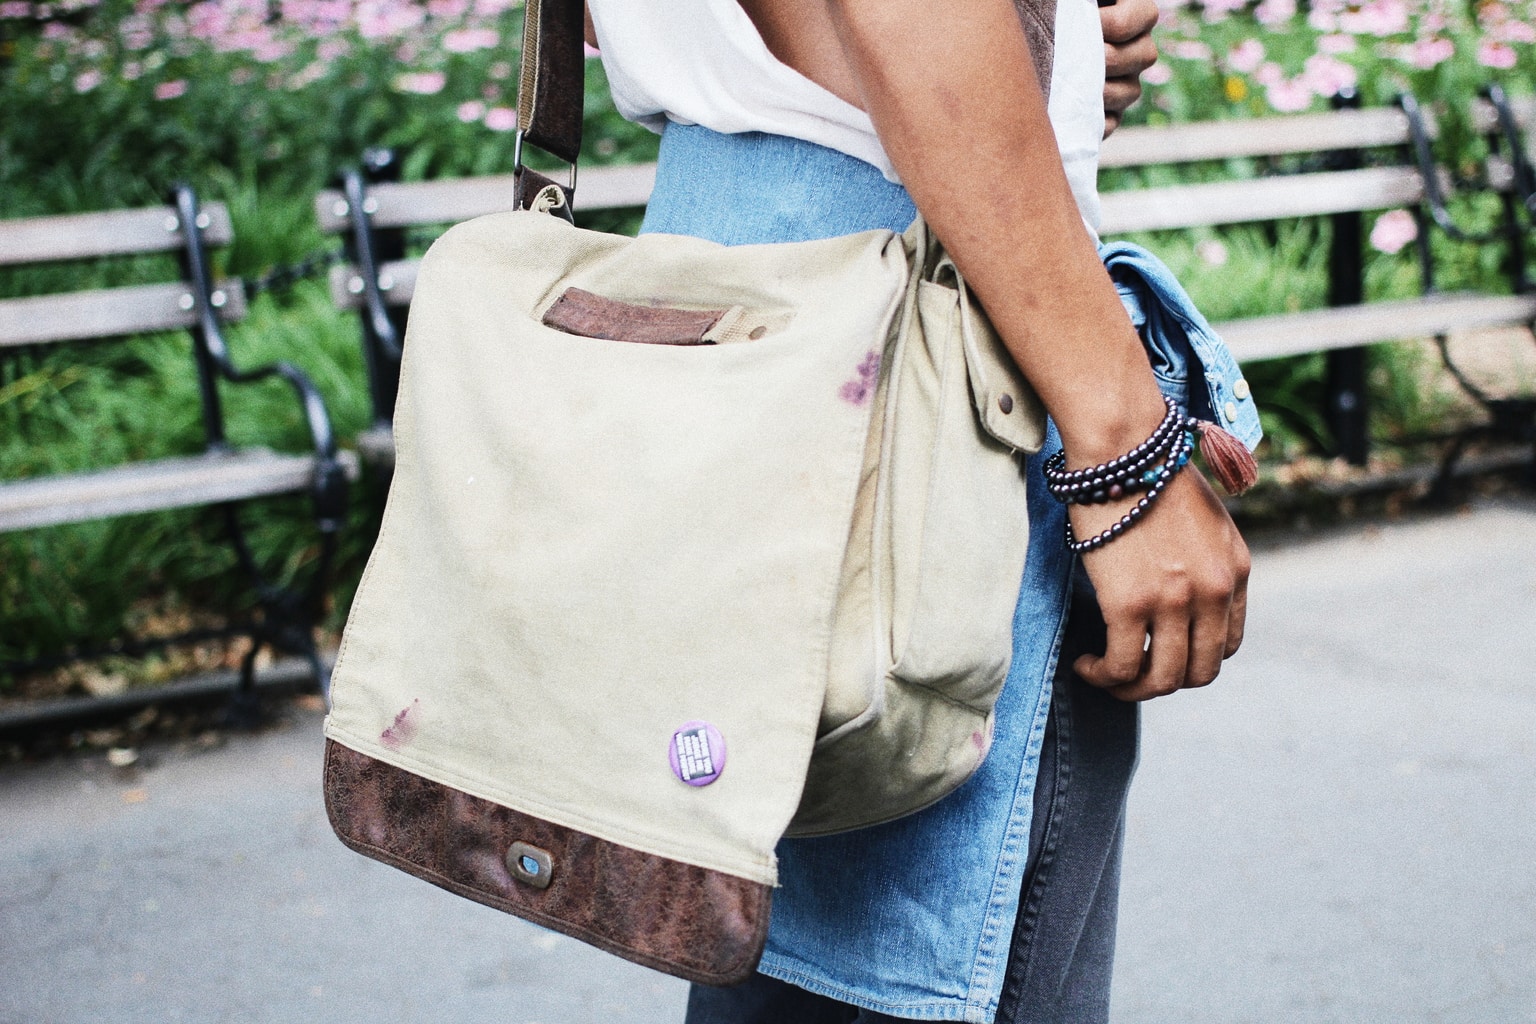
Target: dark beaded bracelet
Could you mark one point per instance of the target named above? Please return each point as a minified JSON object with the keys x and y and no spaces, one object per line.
{"x":1178,"y":458}
{"x":1131,"y":473}
{"x":1056,"y":474}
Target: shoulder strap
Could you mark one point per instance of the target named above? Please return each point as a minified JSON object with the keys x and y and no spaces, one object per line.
{"x":550,"y":85}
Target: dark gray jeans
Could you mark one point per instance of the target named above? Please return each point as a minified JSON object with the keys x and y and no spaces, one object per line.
{"x":1064,"y":937}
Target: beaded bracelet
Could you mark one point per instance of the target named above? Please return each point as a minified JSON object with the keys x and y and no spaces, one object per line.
{"x":1178,"y":458}
{"x":1127,"y":474}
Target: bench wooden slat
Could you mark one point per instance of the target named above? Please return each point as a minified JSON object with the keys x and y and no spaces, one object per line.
{"x":377,"y":445}
{"x":405,"y":204}
{"x":1259,"y":199}
{"x":1486,"y":119}
{"x":1270,"y":136}
{"x":397,"y":280}
{"x":108,"y":313}
{"x":114,"y":233}
{"x":1289,"y":334}
{"x":155,"y":486}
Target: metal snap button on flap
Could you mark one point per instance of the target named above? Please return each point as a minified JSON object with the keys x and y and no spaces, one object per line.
{"x":530,"y":865}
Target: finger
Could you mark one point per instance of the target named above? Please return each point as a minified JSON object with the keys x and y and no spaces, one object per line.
{"x":1168,"y":661}
{"x":1122,"y":660}
{"x":1129,"y":59}
{"x":1127,"y":19}
{"x":1237,"y":614}
{"x":1208,"y":642}
{"x":1120,"y":94}
{"x":1111,"y":122}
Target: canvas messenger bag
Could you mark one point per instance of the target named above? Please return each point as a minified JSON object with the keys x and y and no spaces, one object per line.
{"x":687,"y":548}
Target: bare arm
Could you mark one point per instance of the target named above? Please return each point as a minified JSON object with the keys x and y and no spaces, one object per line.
{"x":967,"y":130}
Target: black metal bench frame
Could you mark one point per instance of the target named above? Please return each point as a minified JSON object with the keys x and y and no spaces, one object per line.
{"x":222,"y":477}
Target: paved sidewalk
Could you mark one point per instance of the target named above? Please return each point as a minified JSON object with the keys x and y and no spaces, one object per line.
{"x":1343,"y":829}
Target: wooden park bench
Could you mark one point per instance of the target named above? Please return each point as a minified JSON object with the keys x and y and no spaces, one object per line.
{"x":223,"y":474}
{"x":1352,"y":162}
{"x":1338,"y":165}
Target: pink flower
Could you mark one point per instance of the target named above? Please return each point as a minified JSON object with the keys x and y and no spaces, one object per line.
{"x":1289,"y":96}
{"x":171,"y":90}
{"x":1493,"y":54}
{"x":1377,"y":18}
{"x":491,"y":8}
{"x":1326,"y":75}
{"x":1431,"y":52}
{"x":447,"y":9}
{"x":1217,"y":10}
{"x":330,"y":49}
{"x":85,"y":81}
{"x":1275,"y":12}
{"x":1324,"y":15}
{"x":132,"y":70}
{"x":1393,"y":230}
{"x":1337,"y":42}
{"x":501,"y":119}
{"x":1269,"y":73}
{"x":471,"y":111}
{"x":421,"y":83}
{"x":468,"y":40}
{"x":1158,"y":74}
{"x":1191,"y":49}
{"x":15,"y":9}
{"x":1246,"y":56}
{"x":589,"y":51}
{"x":501,"y":70}
{"x":1213,"y":252}
{"x":1517,"y":32}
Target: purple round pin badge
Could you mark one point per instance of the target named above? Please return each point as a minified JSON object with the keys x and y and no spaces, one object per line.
{"x":697,"y":753}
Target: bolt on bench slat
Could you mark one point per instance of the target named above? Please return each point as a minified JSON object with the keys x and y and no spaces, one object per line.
{"x":110,"y":313}
{"x":114,"y":233}
{"x":155,"y":486}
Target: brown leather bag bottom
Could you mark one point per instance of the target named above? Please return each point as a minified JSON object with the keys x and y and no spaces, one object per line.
{"x":701,"y":925}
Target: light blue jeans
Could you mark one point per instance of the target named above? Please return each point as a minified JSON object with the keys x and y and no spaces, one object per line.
{"x":918,"y":918}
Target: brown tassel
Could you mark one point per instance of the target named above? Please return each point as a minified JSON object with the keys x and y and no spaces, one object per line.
{"x":1228,"y":459}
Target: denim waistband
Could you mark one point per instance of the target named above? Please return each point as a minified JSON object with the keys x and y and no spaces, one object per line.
{"x":752,"y":187}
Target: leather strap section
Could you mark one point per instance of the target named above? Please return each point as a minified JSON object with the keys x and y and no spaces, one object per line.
{"x":1039,"y":20}
{"x":593,"y":316}
{"x":551,"y":83}
{"x":701,"y":925}
{"x":527,"y":184}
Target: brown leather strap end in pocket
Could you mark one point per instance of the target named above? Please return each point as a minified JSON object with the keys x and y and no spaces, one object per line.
{"x":702,"y":925}
{"x":594,"y":316}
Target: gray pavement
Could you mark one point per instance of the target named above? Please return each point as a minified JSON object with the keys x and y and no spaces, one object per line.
{"x":1342,"y":829}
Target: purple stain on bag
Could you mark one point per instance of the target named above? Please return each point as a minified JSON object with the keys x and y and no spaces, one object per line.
{"x":858,"y":390}
{"x":403,"y":729}
{"x":697,"y":753}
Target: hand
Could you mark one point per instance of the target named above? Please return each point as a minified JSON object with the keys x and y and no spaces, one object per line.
{"x":1128,"y":51}
{"x":1178,"y":577}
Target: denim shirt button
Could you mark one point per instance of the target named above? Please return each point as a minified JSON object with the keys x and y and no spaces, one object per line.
{"x":1230,"y":412}
{"x":1240,"y":389}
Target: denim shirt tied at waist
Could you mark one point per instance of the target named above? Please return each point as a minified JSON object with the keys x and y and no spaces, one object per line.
{"x":914,"y":918}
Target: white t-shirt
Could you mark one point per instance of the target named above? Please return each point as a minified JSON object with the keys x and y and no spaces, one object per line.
{"x":703,"y":62}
